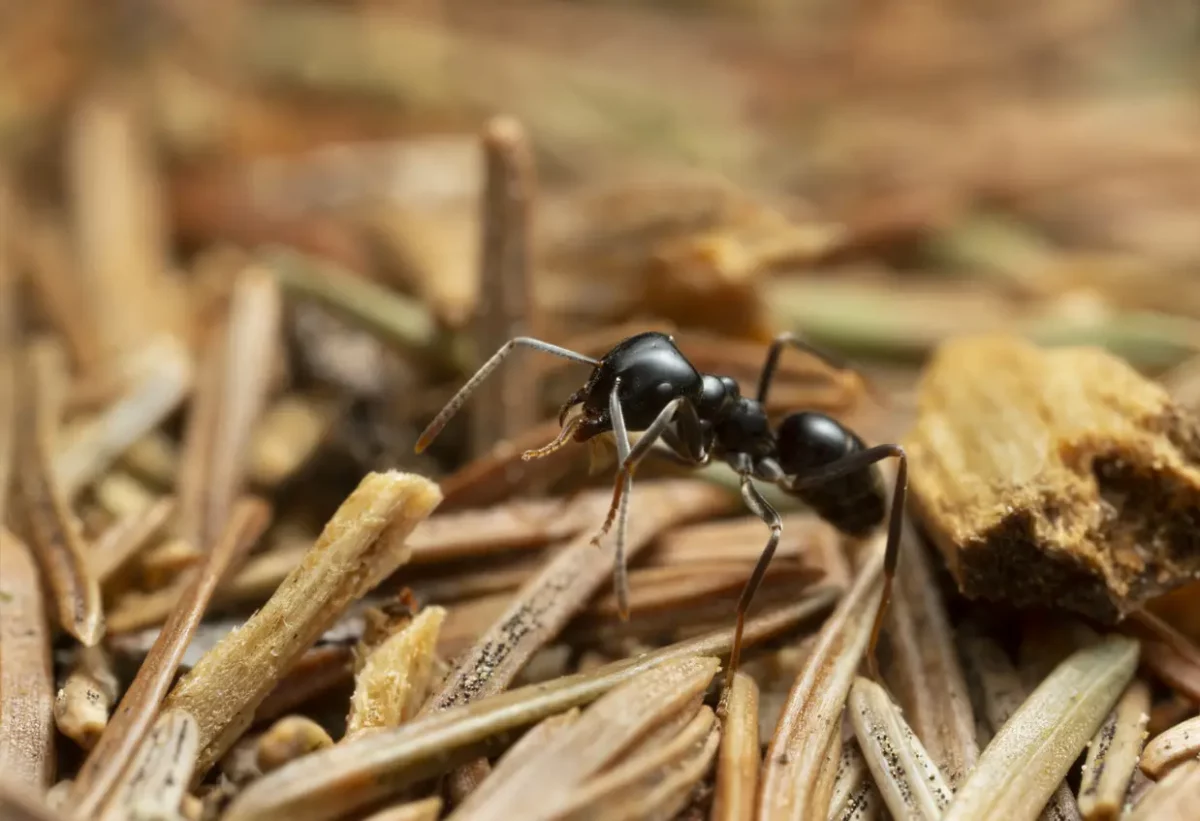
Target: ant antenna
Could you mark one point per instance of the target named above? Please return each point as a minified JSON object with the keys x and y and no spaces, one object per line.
{"x":460,"y":398}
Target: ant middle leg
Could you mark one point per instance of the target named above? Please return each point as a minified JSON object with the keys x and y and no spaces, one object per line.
{"x":763,"y":509}
{"x":854,"y":463}
{"x":435,"y":427}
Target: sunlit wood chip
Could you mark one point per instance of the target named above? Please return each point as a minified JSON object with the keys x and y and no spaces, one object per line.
{"x":395,"y":677}
{"x":364,"y":541}
{"x":1031,"y":754}
{"x":1172,"y":747}
{"x":792,"y":782}
{"x":1113,"y":755}
{"x":855,"y":797}
{"x":911,"y":784}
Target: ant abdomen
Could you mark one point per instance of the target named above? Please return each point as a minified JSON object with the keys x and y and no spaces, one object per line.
{"x":855,"y":503}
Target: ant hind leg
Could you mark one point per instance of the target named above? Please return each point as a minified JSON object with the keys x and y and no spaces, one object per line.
{"x":763,"y":509}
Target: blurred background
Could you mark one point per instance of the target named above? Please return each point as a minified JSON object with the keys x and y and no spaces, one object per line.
{"x":877,"y":175}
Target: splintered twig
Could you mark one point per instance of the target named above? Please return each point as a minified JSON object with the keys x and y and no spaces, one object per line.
{"x":550,"y":776}
{"x":135,"y":714}
{"x":82,"y":706}
{"x":332,"y":783}
{"x":162,"y":376}
{"x":740,"y":757}
{"x":546,"y":603}
{"x":1112,"y":756}
{"x":910,"y":782}
{"x":51,"y":524}
{"x":1030,"y":755}
{"x":156,"y":781}
{"x":364,"y":541}
{"x":395,"y":677}
{"x":792,"y":783}
{"x":925,"y":669}
{"x":26,"y":674}
{"x":509,"y":402}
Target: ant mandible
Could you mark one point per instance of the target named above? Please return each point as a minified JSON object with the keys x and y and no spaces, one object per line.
{"x":646,"y":384}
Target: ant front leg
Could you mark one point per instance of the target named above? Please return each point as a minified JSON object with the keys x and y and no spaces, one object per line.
{"x":761,"y":508}
{"x":460,"y":398}
{"x":628,"y":458}
{"x":854,"y":463}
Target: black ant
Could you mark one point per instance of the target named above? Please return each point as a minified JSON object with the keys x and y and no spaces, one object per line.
{"x":646,"y":384}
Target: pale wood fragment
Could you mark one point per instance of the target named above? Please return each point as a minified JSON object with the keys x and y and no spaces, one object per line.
{"x":82,"y":706}
{"x":1113,"y":755}
{"x":395,"y":678}
{"x":1054,"y":477}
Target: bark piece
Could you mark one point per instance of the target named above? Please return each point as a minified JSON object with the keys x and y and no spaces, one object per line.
{"x":1055,"y":477}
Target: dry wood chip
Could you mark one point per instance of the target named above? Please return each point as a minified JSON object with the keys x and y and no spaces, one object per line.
{"x":82,"y":706}
{"x":1175,"y":798}
{"x":129,"y":534}
{"x":855,"y":797}
{"x":52,"y":526}
{"x":333,"y":782}
{"x":1054,"y":476}
{"x":26,"y":673}
{"x":154,"y":784}
{"x":740,"y":756}
{"x":162,"y":376}
{"x":924,"y":668}
{"x":546,"y":603}
{"x":136,"y":711}
{"x":287,"y":739}
{"x":792,"y":783}
{"x":395,"y":679}
{"x":654,"y":784}
{"x":911,"y":784}
{"x":550,"y":778}
{"x":1112,"y":756}
{"x":1031,"y":754}
{"x":1171,"y":748}
{"x":364,"y":541}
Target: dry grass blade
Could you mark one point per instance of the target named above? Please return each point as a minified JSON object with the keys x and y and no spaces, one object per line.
{"x":429,"y":809}
{"x":135,"y":713}
{"x":508,"y":403}
{"x":288,"y":739}
{"x":855,"y":797}
{"x":51,"y":524}
{"x":1167,"y":653}
{"x":26,"y":674}
{"x":394,"y":681}
{"x":156,"y":781}
{"x":1170,"y":748}
{"x":82,"y":706}
{"x":910,"y":782}
{"x":19,"y":803}
{"x":925,"y":671}
{"x":546,"y":603}
{"x":191,"y":485}
{"x":1113,"y":755}
{"x":528,"y":748}
{"x":1031,"y":754}
{"x":655,"y":783}
{"x":1175,"y":798}
{"x":550,"y":779}
{"x":129,"y":534}
{"x":363,"y":541}
{"x":381,"y":764}
{"x":162,"y":376}
{"x":791,"y":784}
{"x":248,"y":350}
{"x":740,"y":756}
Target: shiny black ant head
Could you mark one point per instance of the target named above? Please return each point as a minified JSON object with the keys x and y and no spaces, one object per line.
{"x":652,"y":372}
{"x":810,"y":440}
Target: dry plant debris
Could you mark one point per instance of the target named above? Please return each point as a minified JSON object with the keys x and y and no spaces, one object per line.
{"x":1112,"y":757}
{"x":1058,"y":477}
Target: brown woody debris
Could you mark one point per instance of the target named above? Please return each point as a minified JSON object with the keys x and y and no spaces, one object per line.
{"x":1055,"y":477}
